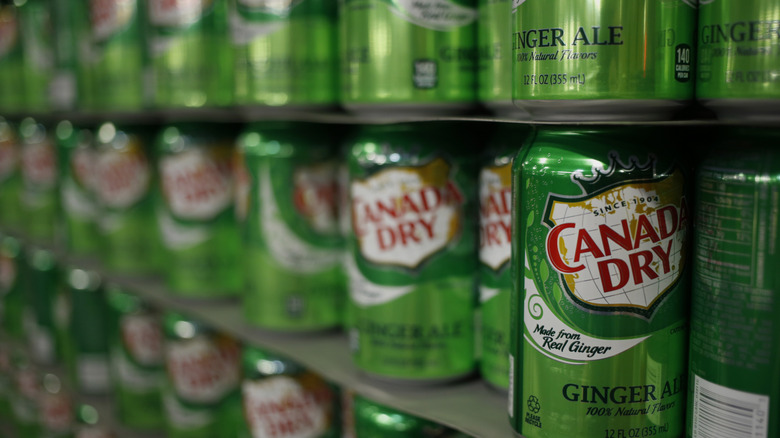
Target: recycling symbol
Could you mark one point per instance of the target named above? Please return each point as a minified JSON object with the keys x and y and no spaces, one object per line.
{"x":533,"y":404}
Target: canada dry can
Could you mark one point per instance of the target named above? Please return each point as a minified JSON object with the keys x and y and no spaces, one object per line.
{"x":495,"y":249}
{"x":39,"y":321}
{"x":282,"y":399}
{"x":26,"y":391}
{"x":77,"y":188}
{"x":125,"y":181}
{"x":414,"y":252}
{"x":39,"y":195}
{"x":12,"y":287}
{"x":603,"y":60}
{"x":10,"y":177}
{"x":136,"y":358}
{"x":293,"y":249}
{"x":62,"y":86}
{"x":11,"y":60}
{"x":195,"y":211}
{"x":189,"y":48}
{"x":38,"y":47}
{"x":418,"y":56}
{"x":56,"y":411}
{"x":203,"y":375}
{"x":114,"y":52}
{"x":599,"y":306}
{"x":87,"y":320}
{"x":374,"y":420}
{"x":734,"y":332}
{"x":494,"y":38}
{"x":285,"y":53}
{"x":738,"y":68}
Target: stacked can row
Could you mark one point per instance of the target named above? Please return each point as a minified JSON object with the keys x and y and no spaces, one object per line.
{"x":165,"y":372}
{"x":426,"y":56}
{"x":599,"y":283}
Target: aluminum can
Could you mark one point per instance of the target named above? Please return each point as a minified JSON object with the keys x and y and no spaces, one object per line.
{"x":203,"y":370}
{"x":38,"y":53}
{"x":734,"y":348}
{"x":12,"y":287}
{"x":494,"y":69}
{"x":282,"y":399}
{"x":414,"y":252}
{"x":56,"y":412}
{"x":85,"y":314}
{"x":11,"y":61}
{"x":26,"y":391}
{"x":195,"y":211}
{"x":737,"y":70}
{"x":285,"y":53}
{"x":114,"y":52}
{"x":62,"y":90}
{"x":399,"y":56}
{"x":39,"y":195}
{"x":10,"y":177}
{"x":292,"y":250}
{"x":125,"y":184}
{"x":374,"y":420}
{"x":495,"y":249}
{"x":599,"y":306}
{"x":136,"y":359}
{"x":38,"y":317}
{"x":189,"y":50}
{"x":77,"y":188}
{"x":603,"y":60}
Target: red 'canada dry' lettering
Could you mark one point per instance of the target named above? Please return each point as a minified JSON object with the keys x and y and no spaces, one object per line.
{"x":495,"y":210}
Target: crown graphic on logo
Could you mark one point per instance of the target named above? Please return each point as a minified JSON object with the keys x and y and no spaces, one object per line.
{"x":616,"y":173}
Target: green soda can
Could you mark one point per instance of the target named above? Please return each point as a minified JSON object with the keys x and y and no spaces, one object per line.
{"x":189,"y":47}
{"x":374,"y":420}
{"x":204,"y":369}
{"x":77,"y":188}
{"x":87,"y":321}
{"x":38,"y":44}
{"x":408,"y":56}
{"x":39,"y":195}
{"x":285,"y":53}
{"x":495,"y":249}
{"x":125,"y":181}
{"x":293,"y":249}
{"x":55,"y":408}
{"x":603,"y":60}
{"x":10,"y":177}
{"x":599,"y":306}
{"x":414,"y":249}
{"x":12,"y":98}
{"x":136,"y":356}
{"x":282,"y":399}
{"x":39,"y":317}
{"x":734,"y":354}
{"x":737,"y":70}
{"x":494,"y":74}
{"x":114,"y":52}
{"x":12,"y":287}
{"x":195,"y":211}
{"x":26,"y":391}
{"x":62,"y":86}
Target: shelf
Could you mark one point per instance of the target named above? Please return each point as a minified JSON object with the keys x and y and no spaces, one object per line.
{"x":469,"y":406}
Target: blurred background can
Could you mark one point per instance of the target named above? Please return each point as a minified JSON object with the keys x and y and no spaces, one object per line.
{"x":13,"y":296}
{"x":414,"y":249}
{"x":10,"y":178}
{"x":39,"y":178}
{"x":293,"y":249}
{"x":41,"y":284}
{"x":399,"y":57}
{"x":125,"y":180}
{"x":285,"y":53}
{"x":77,"y":188}
{"x":195,"y":211}
{"x":603,"y":60}
{"x":189,"y":48}
{"x":738,"y":71}
{"x":38,"y":52}
{"x":12,"y":98}
{"x":734,"y":351}
{"x":375,"y":420}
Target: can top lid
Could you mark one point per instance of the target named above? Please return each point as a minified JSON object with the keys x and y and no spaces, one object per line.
{"x":31,"y":131}
{"x":261,"y":363}
{"x":80,"y":279}
{"x":87,"y":414}
{"x":178,"y":326}
{"x":122,"y":301}
{"x":41,"y":259}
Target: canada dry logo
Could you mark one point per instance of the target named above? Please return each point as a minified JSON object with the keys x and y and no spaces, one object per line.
{"x":203,"y":370}
{"x":404,"y":215}
{"x":39,"y":165}
{"x":198,"y":184}
{"x":177,"y":13}
{"x":282,"y":407}
{"x":620,"y":246}
{"x":108,"y":17}
{"x":315,"y":196}
{"x":123,"y":176}
{"x":142,"y":337}
{"x":495,"y":216}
